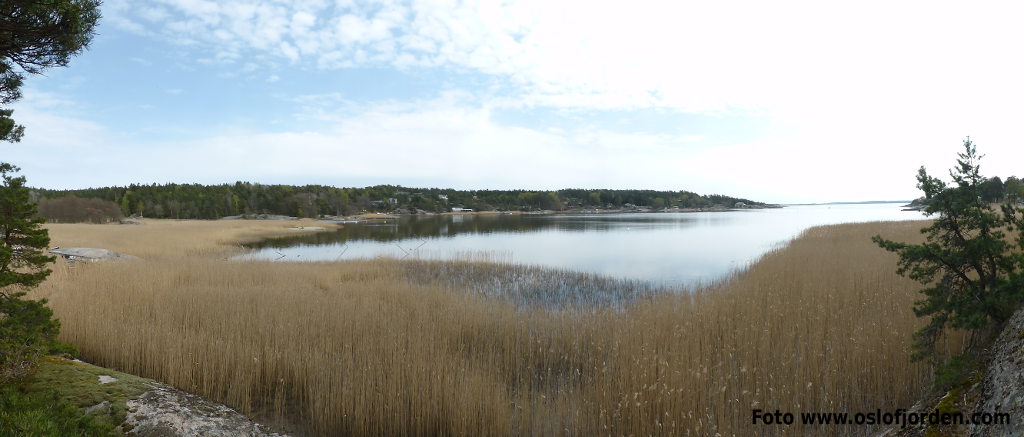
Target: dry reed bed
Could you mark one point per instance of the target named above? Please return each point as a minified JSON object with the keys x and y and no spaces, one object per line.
{"x":356,"y":348}
{"x":158,"y":239}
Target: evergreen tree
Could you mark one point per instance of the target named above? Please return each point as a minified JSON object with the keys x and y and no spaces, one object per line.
{"x":27,"y":328}
{"x":34,"y":35}
{"x":971,"y":270}
{"x":22,"y":261}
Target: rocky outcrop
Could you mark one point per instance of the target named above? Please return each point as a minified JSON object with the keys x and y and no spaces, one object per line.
{"x":167,"y":411}
{"x":995,"y":389}
{"x":138,"y":406}
{"x":1003,"y":388}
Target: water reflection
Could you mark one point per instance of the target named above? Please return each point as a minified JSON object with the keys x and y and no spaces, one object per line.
{"x":668,"y":249}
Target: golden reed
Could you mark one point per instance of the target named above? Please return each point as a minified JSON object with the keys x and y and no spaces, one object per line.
{"x":356,"y":348}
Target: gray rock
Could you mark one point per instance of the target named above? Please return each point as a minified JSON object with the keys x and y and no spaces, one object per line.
{"x":89,"y":253}
{"x":1003,"y":389}
{"x":166,"y":411}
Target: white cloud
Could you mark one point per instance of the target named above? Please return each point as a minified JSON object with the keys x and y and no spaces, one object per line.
{"x":693,"y":56}
{"x":858,"y":94}
{"x":452,"y":141}
{"x":289,"y":51}
{"x":80,"y":145}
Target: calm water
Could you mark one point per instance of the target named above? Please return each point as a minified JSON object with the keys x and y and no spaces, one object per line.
{"x":664,"y":248}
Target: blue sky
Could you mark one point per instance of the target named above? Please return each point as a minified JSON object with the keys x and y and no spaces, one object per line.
{"x":774,"y":101}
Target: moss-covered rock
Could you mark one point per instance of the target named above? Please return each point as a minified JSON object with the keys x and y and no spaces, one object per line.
{"x":95,"y":391}
{"x":70,"y":397}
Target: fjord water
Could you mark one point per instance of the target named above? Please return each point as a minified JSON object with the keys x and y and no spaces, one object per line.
{"x":669,"y":249}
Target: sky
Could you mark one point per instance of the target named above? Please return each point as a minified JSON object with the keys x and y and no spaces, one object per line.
{"x":780,"y":101}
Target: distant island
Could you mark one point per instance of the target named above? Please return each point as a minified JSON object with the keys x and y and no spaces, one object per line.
{"x":196,"y":201}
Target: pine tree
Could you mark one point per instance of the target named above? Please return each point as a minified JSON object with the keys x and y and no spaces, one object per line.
{"x":27,"y":328}
{"x":971,"y":270}
{"x":22,"y":261}
{"x":34,"y":36}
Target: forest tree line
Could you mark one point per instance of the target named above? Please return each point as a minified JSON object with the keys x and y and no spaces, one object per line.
{"x":195,"y":201}
{"x":996,"y":190}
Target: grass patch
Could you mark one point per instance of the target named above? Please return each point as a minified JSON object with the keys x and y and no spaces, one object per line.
{"x":56,"y":398}
{"x":45,"y":414}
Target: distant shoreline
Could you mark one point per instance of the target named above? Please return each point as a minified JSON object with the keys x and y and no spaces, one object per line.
{"x":384,"y":215}
{"x":866,"y":202}
{"x":367,"y":216}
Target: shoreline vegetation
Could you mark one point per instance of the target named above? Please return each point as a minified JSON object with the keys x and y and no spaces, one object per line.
{"x":391,"y":215}
{"x":379,"y":347}
{"x":195,"y":201}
